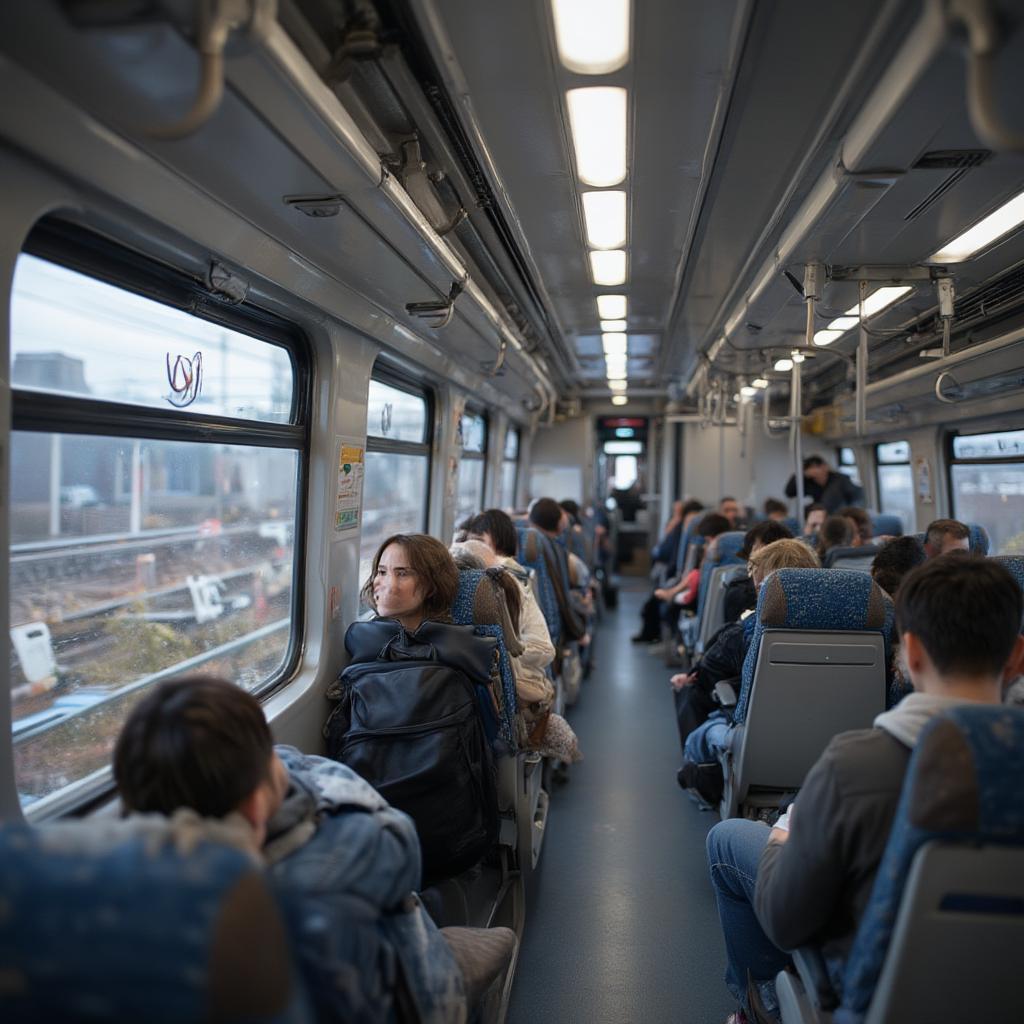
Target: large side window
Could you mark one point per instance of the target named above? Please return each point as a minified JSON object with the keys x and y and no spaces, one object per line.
{"x":846,"y":461}
{"x":470,"y":495}
{"x":509,"y":469}
{"x":896,"y":481}
{"x":397,"y":485}
{"x":986,"y":475}
{"x":157,"y":468}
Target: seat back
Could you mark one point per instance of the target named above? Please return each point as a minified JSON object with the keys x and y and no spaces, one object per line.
{"x":142,"y":919}
{"x":859,"y":558}
{"x":886,"y":524}
{"x":686,"y":552}
{"x":817,"y":665}
{"x":1014,"y":565}
{"x":943,"y":929}
{"x":530,"y":555}
{"x":727,"y":550}
{"x":714,"y":608}
{"x":979,"y":539}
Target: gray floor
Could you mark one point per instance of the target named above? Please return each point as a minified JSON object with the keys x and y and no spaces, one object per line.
{"x":621,"y":923}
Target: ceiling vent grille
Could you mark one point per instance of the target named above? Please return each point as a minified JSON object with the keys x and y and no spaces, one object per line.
{"x":957,"y":161}
{"x":998,"y":297}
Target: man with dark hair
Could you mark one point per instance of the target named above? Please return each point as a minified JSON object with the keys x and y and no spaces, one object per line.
{"x":740,"y":594}
{"x":343,"y":860}
{"x":810,"y":877}
{"x":713,"y":525}
{"x":730,"y":508}
{"x":945,"y":535}
{"x":775,"y":509}
{"x":895,"y":559}
{"x":861,"y":521}
{"x":814,"y":520}
{"x":822,"y":485}
{"x":547,"y":516}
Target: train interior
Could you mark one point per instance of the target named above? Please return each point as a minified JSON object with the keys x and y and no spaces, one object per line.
{"x":285,"y":278}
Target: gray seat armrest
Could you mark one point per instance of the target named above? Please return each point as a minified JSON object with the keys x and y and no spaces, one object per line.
{"x":813,"y":971}
{"x":725,"y":694}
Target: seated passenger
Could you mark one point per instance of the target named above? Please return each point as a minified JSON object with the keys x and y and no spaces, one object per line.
{"x":835,"y":532}
{"x":740,"y":592}
{"x":860,"y":521}
{"x":945,"y":535}
{"x":549,"y":518}
{"x":345,"y":863}
{"x":542,"y":730}
{"x":730,"y":509}
{"x":814,"y":519}
{"x":724,"y":660}
{"x":775,"y":510}
{"x":685,"y":591}
{"x":894,"y":560}
{"x":809,"y":878}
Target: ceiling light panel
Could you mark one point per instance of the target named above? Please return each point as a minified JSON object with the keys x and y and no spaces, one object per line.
{"x":783,"y":365}
{"x":608,"y":267}
{"x":614,"y":344}
{"x":1000,"y":222}
{"x":592,"y":35}
{"x":611,"y":307}
{"x":619,"y":399}
{"x":879,"y":300}
{"x":827,"y":336}
{"x":597,"y":117}
{"x":615,"y":326}
{"x":604,"y":215}
{"x":617,"y":385}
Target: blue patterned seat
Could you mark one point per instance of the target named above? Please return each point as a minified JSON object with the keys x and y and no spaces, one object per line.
{"x":941,"y":935}
{"x":463,"y":614}
{"x":979,"y":539}
{"x":810,"y":599}
{"x":727,"y":549}
{"x":530,"y":555}
{"x":1014,"y":564}
{"x":131,"y":921}
{"x":886,"y":524}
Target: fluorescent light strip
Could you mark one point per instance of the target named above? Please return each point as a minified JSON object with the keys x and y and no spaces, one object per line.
{"x":759,"y":382}
{"x":597,"y":117}
{"x":1000,"y":222}
{"x":782,"y":365}
{"x":615,"y":326}
{"x":619,"y":399}
{"x":617,"y":385}
{"x":748,"y":392}
{"x":604,"y":216}
{"x":614,"y":344}
{"x":878,"y":300}
{"x":592,"y":35}
{"x":611,"y":307}
{"x":608,"y":267}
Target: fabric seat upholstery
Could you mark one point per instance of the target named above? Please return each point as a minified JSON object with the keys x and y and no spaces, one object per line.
{"x":979,"y":539}
{"x":886,"y":524}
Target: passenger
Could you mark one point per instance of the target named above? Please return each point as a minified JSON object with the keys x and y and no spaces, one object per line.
{"x":685,"y":591}
{"x":730,"y":508}
{"x":814,"y":519}
{"x":836,"y":532}
{"x":775,"y":510}
{"x":542,"y":730}
{"x":809,"y":878}
{"x":894,"y":560}
{"x":345,"y":862}
{"x":667,"y":549}
{"x":861,"y":522}
{"x":945,"y":535}
{"x":550,"y":519}
{"x":740,"y":592}
{"x":724,"y":660}
{"x":822,"y":485}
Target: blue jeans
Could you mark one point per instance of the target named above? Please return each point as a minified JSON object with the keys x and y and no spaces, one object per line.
{"x":734,"y":849}
{"x":708,"y":740}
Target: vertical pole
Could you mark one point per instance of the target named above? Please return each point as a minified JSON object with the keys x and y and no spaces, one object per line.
{"x":55,"y":474}
{"x":796,"y":440}
{"x":721,"y":455}
{"x":135,"y":508}
{"x":860,"y":397}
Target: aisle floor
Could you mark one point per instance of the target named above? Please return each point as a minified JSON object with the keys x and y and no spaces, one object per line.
{"x":621,"y":923}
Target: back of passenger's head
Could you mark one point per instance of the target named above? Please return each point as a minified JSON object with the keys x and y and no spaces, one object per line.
{"x":712,"y":525}
{"x":473,"y":551}
{"x":861,"y":521}
{"x":546,"y":514}
{"x":835,"y":532}
{"x":944,"y":535}
{"x":572,"y":507}
{"x":814,"y":460}
{"x":774,"y":507}
{"x":436,"y":574}
{"x":690,"y":506}
{"x":782,"y":554}
{"x":462,"y":530}
{"x":764,"y":533}
{"x":498,"y":526}
{"x":814,"y":507}
{"x":894,"y":560}
{"x":197,"y":742}
{"x":965,"y":611}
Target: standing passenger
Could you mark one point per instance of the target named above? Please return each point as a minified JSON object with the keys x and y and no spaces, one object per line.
{"x":822,"y":485}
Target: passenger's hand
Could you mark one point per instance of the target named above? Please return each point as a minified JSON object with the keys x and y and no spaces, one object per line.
{"x":681,"y":679}
{"x":663,"y":595}
{"x":780,"y":835}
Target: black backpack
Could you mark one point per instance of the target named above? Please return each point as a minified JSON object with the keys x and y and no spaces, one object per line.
{"x":409,"y":721}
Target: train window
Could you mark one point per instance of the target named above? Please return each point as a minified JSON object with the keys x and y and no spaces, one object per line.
{"x":397,"y":483}
{"x":149,"y":536}
{"x":470,"y":496}
{"x":509,"y":469}
{"x":896,"y":481}
{"x":986,"y":475}
{"x":846,"y":460}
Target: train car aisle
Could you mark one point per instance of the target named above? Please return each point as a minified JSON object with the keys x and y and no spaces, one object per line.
{"x":621,"y":923}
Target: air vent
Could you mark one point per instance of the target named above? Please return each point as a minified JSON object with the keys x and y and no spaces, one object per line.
{"x":993,"y":299}
{"x":957,"y":161}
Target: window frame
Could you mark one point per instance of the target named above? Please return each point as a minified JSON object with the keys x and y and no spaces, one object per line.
{"x":382,"y":373}
{"x":41,"y":412}
{"x":481,"y":456}
{"x":512,"y":428}
{"x":953,"y":460}
{"x":879,"y":464}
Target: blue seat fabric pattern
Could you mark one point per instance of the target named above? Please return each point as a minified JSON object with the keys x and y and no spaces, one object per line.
{"x":1014,"y":565}
{"x":729,"y":545}
{"x":886,"y":524}
{"x":462,"y":615}
{"x":979,"y":539}
{"x":545,"y":589}
{"x":963,"y":783}
{"x":839,"y":599}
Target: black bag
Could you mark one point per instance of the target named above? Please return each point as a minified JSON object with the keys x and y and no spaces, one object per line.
{"x":409,"y":721}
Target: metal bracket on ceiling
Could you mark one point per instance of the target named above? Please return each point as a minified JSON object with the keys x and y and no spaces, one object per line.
{"x":438,"y":313}
{"x":316,"y":205}
{"x":492,"y":371}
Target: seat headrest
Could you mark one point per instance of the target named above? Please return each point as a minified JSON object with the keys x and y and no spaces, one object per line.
{"x":863,"y":551}
{"x":886,"y":524}
{"x":1014,"y":564}
{"x":839,"y":599}
{"x":729,"y":546}
{"x":979,"y":539}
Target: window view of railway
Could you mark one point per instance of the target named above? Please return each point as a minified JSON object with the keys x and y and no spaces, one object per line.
{"x":135,"y":559}
{"x":987,"y":486}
